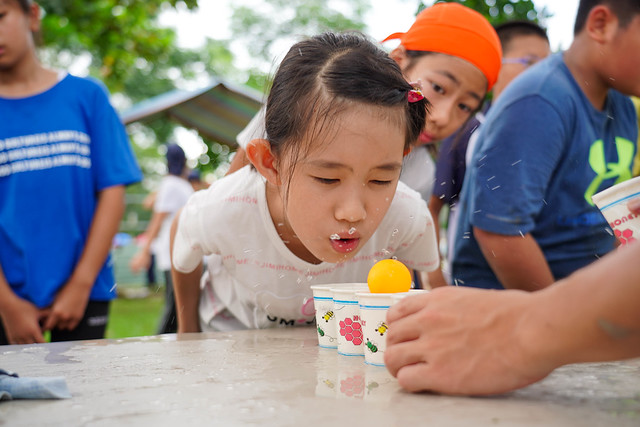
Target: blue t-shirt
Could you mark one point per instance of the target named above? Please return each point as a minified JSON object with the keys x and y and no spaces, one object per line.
{"x":543,"y":151}
{"x":58,"y":149}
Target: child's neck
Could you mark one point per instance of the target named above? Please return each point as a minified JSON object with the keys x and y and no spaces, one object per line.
{"x":26,"y":78}
{"x":579,"y":61}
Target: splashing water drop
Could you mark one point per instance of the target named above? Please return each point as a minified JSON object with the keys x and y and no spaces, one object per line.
{"x":394,"y":232}
{"x":352,"y":230}
{"x":334,"y":236}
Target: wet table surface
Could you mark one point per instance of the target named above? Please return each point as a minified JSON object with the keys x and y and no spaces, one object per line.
{"x":281,"y":377}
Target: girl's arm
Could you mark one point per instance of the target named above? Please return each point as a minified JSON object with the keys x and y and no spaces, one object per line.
{"x":435,"y":278}
{"x":186,"y":287}
{"x":71,"y":301}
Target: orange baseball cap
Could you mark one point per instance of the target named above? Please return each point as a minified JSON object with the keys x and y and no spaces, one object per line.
{"x":456,"y":30}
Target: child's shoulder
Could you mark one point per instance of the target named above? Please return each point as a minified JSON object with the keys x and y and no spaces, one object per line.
{"x":85,"y":85}
{"x":407,"y":199}
{"x":240,"y":187}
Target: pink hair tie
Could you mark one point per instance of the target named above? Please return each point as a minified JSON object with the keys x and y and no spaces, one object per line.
{"x":415,"y":95}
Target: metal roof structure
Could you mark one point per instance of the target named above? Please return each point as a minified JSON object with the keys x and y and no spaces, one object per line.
{"x":218,"y":111}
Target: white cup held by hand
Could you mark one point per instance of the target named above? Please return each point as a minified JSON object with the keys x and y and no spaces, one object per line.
{"x":612,"y":202}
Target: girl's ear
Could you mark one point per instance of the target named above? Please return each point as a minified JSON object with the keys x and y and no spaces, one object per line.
{"x":399,"y":55}
{"x":260,"y":155}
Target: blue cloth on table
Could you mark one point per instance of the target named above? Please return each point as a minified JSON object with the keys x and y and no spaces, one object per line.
{"x":14,"y":387}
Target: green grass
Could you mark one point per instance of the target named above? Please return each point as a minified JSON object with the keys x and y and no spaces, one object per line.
{"x":135,"y":317}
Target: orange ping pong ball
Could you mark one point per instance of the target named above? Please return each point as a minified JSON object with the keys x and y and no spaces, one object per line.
{"x":389,"y":276}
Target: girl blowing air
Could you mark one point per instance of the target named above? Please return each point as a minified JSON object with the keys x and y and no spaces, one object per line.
{"x":321,"y":202}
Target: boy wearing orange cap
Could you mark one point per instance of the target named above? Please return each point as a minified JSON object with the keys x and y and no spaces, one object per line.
{"x":557,"y":135}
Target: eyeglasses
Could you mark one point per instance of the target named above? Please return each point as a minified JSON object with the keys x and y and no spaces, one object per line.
{"x":527,"y":61}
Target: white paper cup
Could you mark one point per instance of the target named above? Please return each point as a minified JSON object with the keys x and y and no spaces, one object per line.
{"x":325,"y":319}
{"x":397,"y":297}
{"x":348,"y":324}
{"x":612,"y":202}
{"x":373,"y":312}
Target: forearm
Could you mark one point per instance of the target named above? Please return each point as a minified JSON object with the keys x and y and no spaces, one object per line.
{"x":435,"y":279}
{"x":154,"y":228}
{"x":104,"y":226}
{"x":435,"y":206}
{"x":593,"y":314}
{"x":186,"y":288}
{"x":517,"y":261}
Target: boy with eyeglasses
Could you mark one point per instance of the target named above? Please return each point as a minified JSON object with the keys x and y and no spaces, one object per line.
{"x":557,"y":135}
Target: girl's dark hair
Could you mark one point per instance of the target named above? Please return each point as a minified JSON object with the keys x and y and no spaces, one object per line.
{"x":325,"y":75}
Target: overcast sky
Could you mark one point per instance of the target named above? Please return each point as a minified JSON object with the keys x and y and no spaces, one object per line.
{"x":385,"y":17}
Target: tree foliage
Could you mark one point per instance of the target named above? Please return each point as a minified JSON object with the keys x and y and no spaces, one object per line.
{"x":119,"y":36}
{"x":260,"y":27}
{"x":499,"y":11}
{"x":125,"y":47}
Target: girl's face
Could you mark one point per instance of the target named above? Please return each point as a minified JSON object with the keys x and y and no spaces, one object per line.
{"x":16,"y":27}
{"x":454,"y":87}
{"x":341,"y":190}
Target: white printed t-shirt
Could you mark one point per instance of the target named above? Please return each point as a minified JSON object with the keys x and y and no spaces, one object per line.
{"x":255,"y":278}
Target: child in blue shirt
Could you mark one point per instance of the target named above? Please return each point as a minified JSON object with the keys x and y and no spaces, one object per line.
{"x":557,"y":135}
{"x":64,"y":162}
